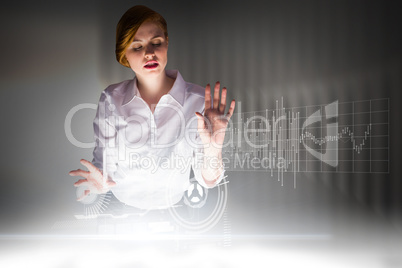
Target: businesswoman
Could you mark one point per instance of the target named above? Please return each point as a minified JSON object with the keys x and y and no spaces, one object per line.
{"x":150,"y":131}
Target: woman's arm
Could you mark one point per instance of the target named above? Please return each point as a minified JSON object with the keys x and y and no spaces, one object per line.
{"x":98,"y":177}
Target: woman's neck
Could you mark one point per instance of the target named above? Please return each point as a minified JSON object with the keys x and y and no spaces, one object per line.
{"x":152,"y":90}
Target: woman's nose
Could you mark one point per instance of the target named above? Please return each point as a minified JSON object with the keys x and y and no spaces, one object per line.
{"x":149,"y":52}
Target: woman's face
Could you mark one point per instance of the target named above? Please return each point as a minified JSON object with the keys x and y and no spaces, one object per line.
{"x":147,"y":54}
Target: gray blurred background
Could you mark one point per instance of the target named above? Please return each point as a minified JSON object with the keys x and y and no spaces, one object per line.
{"x":56,"y":55}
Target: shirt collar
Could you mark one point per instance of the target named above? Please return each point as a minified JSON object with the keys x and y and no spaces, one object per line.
{"x":177,"y":91}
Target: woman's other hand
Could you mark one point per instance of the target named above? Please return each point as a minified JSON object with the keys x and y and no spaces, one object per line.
{"x":96,"y":182}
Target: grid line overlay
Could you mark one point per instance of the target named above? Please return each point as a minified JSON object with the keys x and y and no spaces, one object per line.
{"x":340,"y":137}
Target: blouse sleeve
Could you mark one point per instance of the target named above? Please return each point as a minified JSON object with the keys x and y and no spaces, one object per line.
{"x":104,"y":154}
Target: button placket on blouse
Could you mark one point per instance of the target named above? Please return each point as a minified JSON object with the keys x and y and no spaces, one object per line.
{"x":153,"y":124}
{"x":154,"y":119}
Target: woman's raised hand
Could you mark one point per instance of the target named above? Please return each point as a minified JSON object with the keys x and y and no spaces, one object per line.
{"x":212,"y":125}
{"x":96,"y":182}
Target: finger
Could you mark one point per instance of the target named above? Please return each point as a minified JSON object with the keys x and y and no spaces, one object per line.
{"x":85,"y":194}
{"x":200,"y":121}
{"x":89,"y":165}
{"x":79,"y":172}
{"x":222,"y":106}
{"x":108,"y":180}
{"x":111,"y":183}
{"x":208,"y":97}
{"x":231,"y":109}
{"x":81,"y":182}
{"x":216,"y":95}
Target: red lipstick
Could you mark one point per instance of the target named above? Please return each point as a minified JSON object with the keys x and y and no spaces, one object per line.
{"x":152,"y":64}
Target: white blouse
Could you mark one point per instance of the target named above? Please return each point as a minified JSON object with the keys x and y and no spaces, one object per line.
{"x":149,"y":155}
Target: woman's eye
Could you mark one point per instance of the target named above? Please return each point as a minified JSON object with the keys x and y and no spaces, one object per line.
{"x":156,"y":44}
{"x":137,"y":48}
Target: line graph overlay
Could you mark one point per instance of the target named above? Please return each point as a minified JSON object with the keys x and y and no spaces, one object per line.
{"x":341,"y":137}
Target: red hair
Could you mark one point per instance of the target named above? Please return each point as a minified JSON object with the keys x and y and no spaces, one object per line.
{"x":128,"y":26}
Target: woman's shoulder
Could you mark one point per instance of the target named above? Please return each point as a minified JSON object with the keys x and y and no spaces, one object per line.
{"x":190,"y":89}
{"x":120,"y":88}
{"x":195,"y":90}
